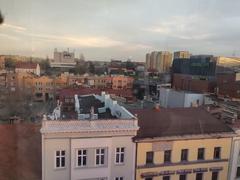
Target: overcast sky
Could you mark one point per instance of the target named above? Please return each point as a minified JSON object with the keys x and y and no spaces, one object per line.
{"x":120,"y":29}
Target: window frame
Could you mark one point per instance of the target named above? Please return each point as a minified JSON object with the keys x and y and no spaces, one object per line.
{"x":214,"y":153}
{"x":187,"y":151}
{"x":100,"y":154}
{"x":119,"y":178}
{"x":81,"y":156}
{"x":60,"y":156}
{"x":151,"y":158}
{"x":120,"y":154}
{"x":238,"y":172}
{"x":170,"y":156}
{"x":166,"y":176}
{"x":217,"y":175}
{"x":198,"y":174}
{"x":185,"y":175}
{"x":203,"y":158}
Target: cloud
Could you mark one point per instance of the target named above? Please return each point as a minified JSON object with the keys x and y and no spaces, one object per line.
{"x":181,"y":27}
{"x":14,"y":27}
{"x":8,"y":36}
{"x":160,"y":29}
{"x":90,"y":41}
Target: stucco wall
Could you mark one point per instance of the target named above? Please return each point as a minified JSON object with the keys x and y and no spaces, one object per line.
{"x":192,"y":146}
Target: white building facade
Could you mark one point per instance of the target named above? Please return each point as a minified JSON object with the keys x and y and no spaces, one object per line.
{"x":28,"y":68}
{"x":90,"y":148}
{"x":63,"y":59}
{"x":170,"y":98}
{"x":234,"y":165}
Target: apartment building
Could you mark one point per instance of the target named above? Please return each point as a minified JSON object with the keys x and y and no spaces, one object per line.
{"x":164,"y":61}
{"x":2,"y":62}
{"x":64,"y":59}
{"x":181,"y":55}
{"x":27,"y":67}
{"x":11,"y":82}
{"x":122,"y":82}
{"x":160,"y":61}
{"x":96,"y":144}
{"x":182,"y":144}
{"x":194,"y":83}
{"x":147,"y":64}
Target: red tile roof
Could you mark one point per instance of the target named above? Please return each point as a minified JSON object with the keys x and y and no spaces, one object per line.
{"x":68,"y":92}
{"x":26,"y":65}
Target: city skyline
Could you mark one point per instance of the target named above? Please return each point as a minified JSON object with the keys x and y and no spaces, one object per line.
{"x":102,"y":30}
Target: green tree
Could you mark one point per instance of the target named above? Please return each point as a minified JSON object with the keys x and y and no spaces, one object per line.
{"x":91,"y":68}
{"x":10,"y":63}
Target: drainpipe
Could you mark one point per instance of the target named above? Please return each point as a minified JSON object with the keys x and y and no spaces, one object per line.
{"x":135,"y":170}
{"x":70,"y":157}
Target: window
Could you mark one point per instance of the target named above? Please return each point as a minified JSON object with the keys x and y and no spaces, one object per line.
{"x":238,"y":172}
{"x":184,"y":155}
{"x":167,"y":156}
{"x":100,"y":153}
{"x":118,"y":178}
{"x":149,"y":157}
{"x":60,"y":159}
{"x":183,"y":177}
{"x":200,"y":153}
{"x":214,"y":175}
{"x":166,"y":178}
{"x":120,"y":155}
{"x":217,"y":153}
{"x":82,"y":157}
{"x":199,"y":176}
{"x":148,"y":178}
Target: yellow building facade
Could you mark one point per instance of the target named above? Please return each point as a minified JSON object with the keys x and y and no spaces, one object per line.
{"x":190,"y":167}
{"x":182,"y":144}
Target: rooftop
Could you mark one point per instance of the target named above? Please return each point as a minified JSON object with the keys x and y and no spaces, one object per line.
{"x":89,"y":103}
{"x":26,"y":65}
{"x":177,"y":122}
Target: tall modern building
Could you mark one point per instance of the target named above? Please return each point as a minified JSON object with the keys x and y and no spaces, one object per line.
{"x":63,"y":59}
{"x":95,"y":144}
{"x":160,"y":61}
{"x":153,"y":59}
{"x":181,"y":55}
{"x":163,"y":61}
{"x":148,"y":61}
{"x":2,"y":62}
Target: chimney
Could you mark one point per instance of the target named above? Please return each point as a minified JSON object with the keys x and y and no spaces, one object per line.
{"x":157,"y":107}
{"x":208,"y":109}
{"x":92,"y":112}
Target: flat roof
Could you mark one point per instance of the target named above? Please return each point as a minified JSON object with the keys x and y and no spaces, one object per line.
{"x":89,"y":101}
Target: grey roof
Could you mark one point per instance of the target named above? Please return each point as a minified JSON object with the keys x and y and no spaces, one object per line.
{"x":177,"y":122}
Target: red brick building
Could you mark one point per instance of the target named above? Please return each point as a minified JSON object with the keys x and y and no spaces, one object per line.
{"x":193,"y":83}
{"x":228,"y":85}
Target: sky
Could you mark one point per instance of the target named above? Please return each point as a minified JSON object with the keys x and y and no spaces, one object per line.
{"x":119,"y":29}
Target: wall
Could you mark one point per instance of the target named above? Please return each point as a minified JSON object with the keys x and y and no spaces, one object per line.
{"x":48,"y":164}
{"x":235,"y":158}
{"x":172,"y":98}
{"x":176,"y":146}
{"x":70,"y":145}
